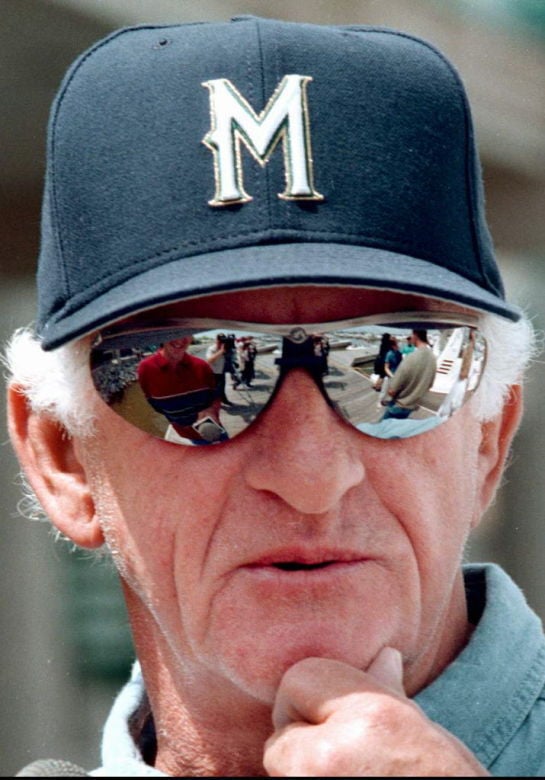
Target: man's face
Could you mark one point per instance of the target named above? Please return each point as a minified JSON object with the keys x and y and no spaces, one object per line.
{"x":301,"y":537}
{"x":175,"y":349}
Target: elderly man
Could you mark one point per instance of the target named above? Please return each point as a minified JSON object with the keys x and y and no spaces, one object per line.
{"x":296,"y":593}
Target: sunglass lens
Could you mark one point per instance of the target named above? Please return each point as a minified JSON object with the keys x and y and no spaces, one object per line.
{"x":207,"y":387}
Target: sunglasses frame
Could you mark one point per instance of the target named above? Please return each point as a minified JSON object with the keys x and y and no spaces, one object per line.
{"x":120,"y":335}
{"x":296,"y":332}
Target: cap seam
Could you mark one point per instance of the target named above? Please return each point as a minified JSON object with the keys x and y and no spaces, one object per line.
{"x":265,"y":209}
{"x":128,"y":271}
{"x":492,"y":306}
{"x":276,"y":235}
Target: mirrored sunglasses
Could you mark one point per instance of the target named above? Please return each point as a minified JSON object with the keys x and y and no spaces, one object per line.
{"x":204,"y":381}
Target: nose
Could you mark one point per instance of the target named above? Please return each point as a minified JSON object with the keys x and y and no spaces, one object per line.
{"x":301,"y":451}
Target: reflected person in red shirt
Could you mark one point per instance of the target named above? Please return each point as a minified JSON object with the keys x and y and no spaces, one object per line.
{"x":181,"y":387}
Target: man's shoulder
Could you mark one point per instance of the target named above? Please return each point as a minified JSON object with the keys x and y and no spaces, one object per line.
{"x":420,"y":356}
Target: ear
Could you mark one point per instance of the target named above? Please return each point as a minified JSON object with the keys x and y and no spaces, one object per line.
{"x":496,"y":438}
{"x":48,"y":457}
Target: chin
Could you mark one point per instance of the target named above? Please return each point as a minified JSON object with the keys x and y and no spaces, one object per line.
{"x":257,"y":667}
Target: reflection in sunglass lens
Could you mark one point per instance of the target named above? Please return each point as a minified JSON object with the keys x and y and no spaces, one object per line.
{"x":198,"y":387}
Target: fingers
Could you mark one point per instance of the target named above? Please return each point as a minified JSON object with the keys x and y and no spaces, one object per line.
{"x":312,"y":689}
{"x":387,"y":669}
{"x":332,"y":719}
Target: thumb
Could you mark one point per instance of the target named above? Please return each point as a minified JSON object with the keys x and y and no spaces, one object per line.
{"x":387,"y":669}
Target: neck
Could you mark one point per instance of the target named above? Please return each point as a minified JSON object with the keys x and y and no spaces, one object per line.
{"x":206,"y":735}
{"x":453,"y":632}
{"x":175,"y":360}
{"x":205,"y":725}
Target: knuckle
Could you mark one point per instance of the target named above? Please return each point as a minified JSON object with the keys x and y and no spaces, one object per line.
{"x":338,"y":754}
{"x":305,"y":753}
{"x":387,"y":714}
{"x":322,"y":760}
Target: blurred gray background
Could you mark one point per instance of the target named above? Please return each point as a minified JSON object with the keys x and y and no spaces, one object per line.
{"x":65,"y":645}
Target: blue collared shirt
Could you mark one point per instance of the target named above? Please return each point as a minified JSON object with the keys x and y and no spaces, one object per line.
{"x":492,"y":696}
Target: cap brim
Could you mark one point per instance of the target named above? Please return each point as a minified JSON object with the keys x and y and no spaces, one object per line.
{"x":269,"y":265}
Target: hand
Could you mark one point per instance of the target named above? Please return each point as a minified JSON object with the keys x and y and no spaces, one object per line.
{"x":210,"y":411}
{"x":333,"y":720}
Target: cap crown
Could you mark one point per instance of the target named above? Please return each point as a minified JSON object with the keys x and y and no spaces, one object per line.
{"x":170,"y":145}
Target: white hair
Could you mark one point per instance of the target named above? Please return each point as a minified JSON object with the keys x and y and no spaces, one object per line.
{"x":57,"y":383}
{"x":510,"y":348}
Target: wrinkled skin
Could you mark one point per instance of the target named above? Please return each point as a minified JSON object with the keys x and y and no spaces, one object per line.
{"x":226,"y":639}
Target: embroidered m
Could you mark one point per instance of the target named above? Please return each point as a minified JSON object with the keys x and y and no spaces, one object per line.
{"x":234,"y":122}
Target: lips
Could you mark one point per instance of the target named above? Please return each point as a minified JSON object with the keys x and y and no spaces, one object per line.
{"x":309,"y":560}
{"x":294,"y":576}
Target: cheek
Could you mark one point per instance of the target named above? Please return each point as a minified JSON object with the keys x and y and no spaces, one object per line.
{"x":430,"y":484}
{"x":158,"y":504}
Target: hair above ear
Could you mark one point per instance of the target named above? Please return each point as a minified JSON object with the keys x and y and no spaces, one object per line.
{"x":50,"y":463}
{"x":57,"y":382}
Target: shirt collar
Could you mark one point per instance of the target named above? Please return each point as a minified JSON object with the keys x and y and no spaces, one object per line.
{"x":483,"y":696}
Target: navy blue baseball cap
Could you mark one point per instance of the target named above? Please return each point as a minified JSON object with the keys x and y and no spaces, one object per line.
{"x":190,"y":159}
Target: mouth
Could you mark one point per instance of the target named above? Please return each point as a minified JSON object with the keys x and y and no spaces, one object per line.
{"x":300,"y":566}
{"x":294,"y":574}
{"x":291,"y":562}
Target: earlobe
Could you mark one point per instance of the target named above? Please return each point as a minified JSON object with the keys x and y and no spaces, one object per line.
{"x":49,"y":460}
{"x":496,"y":438}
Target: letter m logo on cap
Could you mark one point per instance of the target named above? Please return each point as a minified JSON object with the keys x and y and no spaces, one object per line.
{"x":285,"y":117}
